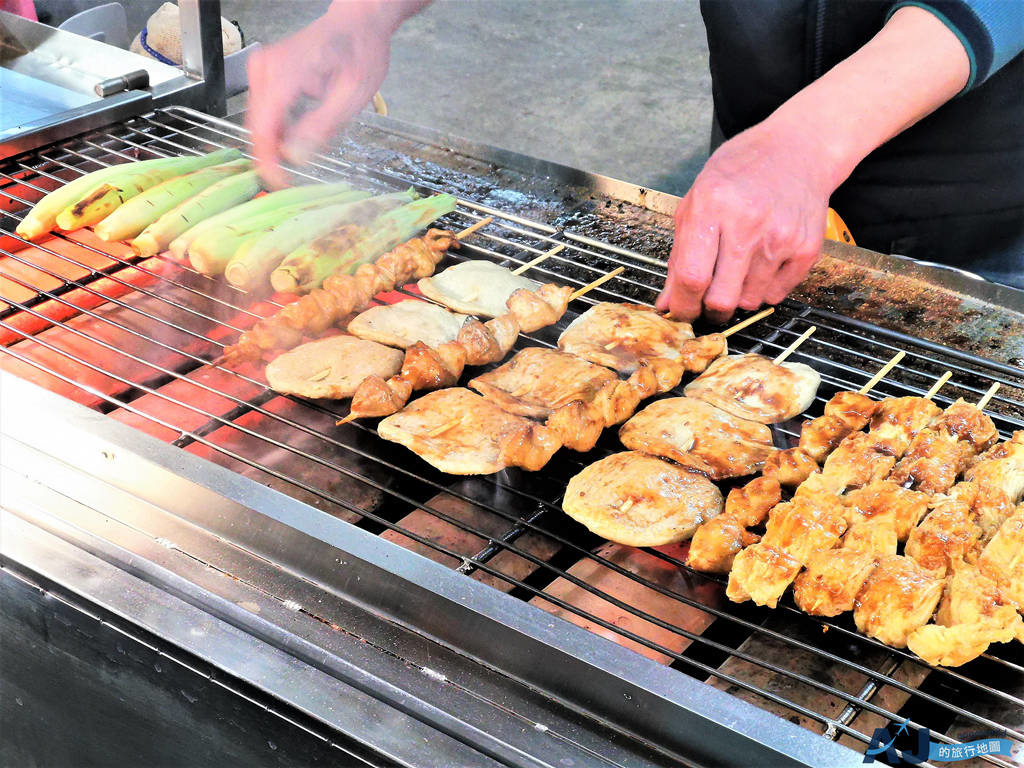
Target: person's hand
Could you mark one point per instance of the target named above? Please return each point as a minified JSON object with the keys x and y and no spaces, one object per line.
{"x":751,"y":226}
{"x":338,"y":62}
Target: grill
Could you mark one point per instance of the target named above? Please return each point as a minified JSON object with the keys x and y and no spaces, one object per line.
{"x":140,"y":340}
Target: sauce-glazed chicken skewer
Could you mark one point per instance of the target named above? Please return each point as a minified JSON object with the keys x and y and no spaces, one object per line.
{"x":815,"y":519}
{"x":477,"y":343}
{"x":343,"y":294}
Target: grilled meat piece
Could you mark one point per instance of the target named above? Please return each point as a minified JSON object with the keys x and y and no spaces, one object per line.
{"x":857,"y":462}
{"x":341,"y":295}
{"x":536,"y":381}
{"x":376,"y":397}
{"x":640,"y":501}
{"x":755,"y":388}
{"x":969,"y":424}
{"x":332,"y":367}
{"x":621,"y":336}
{"x":761,"y":573}
{"x":874,"y":536}
{"x":577,"y":424}
{"x":790,"y":467}
{"x":852,"y":408}
{"x":897,"y":421}
{"x":406,"y":322}
{"x":717,"y":541}
{"x":476,"y":287}
{"x":885,"y":500}
{"x":949,"y":534}
{"x":538,"y":309}
{"x":933,"y":462}
{"x":461,"y":433}
{"x":700,"y":436}
{"x":820,"y":436}
{"x":698,"y":353}
{"x":898,"y":597}
{"x":831,"y":581}
{"x":1003,"y":558}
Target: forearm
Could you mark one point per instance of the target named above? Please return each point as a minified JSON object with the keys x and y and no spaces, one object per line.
{"x":909,"y":69}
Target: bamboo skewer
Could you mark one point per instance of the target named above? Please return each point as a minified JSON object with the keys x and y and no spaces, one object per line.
{"x":882,"y":372}
{"x":473,"y":228}
{"x":792,"y":347}
{"x":749,"y":321}
{"x":938,"y":385}
{"x":538,"y":260}
{"x":988,"y":395}
{"x":600,"y":281}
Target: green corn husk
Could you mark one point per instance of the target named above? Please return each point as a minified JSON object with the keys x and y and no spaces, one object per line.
{"x":309,"y":196}
{"x":252,"y":264}
{"x":306,"y":267}
{"x":95,"y":196}
{"x":211,"y":251}
{"x":141,"y":211}
{"x":226,"y":193}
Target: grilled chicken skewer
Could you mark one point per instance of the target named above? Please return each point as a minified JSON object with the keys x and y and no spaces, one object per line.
{"x":343,"y":294}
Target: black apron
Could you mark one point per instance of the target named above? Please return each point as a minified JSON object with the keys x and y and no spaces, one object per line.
{"x":950,"y":189}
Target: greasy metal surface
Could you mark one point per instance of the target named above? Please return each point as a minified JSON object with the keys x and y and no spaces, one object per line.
{"x":143,"y":356}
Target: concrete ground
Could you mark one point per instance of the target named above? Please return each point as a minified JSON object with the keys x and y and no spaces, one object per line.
{"x":618,"y":87}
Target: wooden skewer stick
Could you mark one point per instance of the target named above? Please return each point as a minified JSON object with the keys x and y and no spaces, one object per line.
{"x":882,"y":373}
{"x":988,"y":395}
{"x":626,"y":506}
{"x":600,"y":281}
{"x":792,"y":347}
{"x":749,"y":321}
{"x":938,"y":385}
{"x":538,"y":260}
{"x":346,"y":420}
{"x":471,"y":229}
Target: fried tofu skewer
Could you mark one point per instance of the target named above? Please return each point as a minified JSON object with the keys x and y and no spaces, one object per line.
{"x":343,"y":294}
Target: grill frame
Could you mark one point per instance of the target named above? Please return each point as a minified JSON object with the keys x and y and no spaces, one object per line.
{"x":769,"y":336}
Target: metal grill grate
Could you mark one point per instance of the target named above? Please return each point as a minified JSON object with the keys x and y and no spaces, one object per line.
{"x":136,"y":339}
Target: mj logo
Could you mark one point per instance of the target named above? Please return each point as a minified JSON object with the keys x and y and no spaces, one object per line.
{"x":883,"y":743}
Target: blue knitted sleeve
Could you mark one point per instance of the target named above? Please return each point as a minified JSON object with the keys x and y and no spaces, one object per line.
{"x":992,"y":31}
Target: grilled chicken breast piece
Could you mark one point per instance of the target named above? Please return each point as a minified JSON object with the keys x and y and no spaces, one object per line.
{"x":621,"y":336}
{"x":475,"y":288}
{"x":761,"y":573}
{"x":1002,"y":558}
{"x":716,"y":542}
{"x":857,"y":462}
{"x":404,"y":323}
{"x":897,"y":420}
{"x":755,"y":388}
{"x":537,"y":380}
{"x":790,"y":467}
{"x":461,"y":433}
{"x":831,"y":581}
{"x":898,"y":597}
{"x":949,"y":533}
{"x":640,"y":501}
{"x":698,"y":435}
{"x":331,"y":368}
{"x":886,"y":500}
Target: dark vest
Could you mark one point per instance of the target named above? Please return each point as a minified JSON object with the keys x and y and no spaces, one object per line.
{"x":949,"y":189}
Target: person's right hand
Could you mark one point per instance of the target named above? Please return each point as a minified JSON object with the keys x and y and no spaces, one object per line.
{"x":338,"y":61}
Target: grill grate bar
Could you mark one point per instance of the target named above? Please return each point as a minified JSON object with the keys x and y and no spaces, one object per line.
{"x":143,"y":141}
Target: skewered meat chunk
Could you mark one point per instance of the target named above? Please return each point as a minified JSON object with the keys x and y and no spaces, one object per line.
{"x":431,"y":368}
{"x":898,"y":420}
{"x":820,"y":436}
{"x":802,"y":527}
{"x":898,"y":597}
{"x":717,"y":541}
{"x":755,"y":388}
{"x":461,"y":433}
{"x":886,"y":500}
{"x":852,"y":408}
{"x":538,"y":309}
{"x":1003,"y":558}
{"x":406,"y":322}
{"x":969,"y":424}
{"x":342,"y":295}
{"x":536,"y":381}
{"x":790,"y":467}
{"x":831,"y":581}
{"x":376,"y":396}
{"x":1001,"y":467}
{"x":857,"y":462}
{"x":971,"y":616}
{"x":875,"y":536}
{"x":577,"y":424}
{"x":332,"y":367}
{"x":933,"y":462}
{"x":621,"y":336}
{"x":761,"y":573}
{"x":700,"y":436}
{"x":949,"y":534}
{"x":698,"y":353}
{"x":476,"y":287}
{"x":640,"y":501}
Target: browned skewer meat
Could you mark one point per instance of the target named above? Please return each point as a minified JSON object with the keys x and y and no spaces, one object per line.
{"x":340,"y":296}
